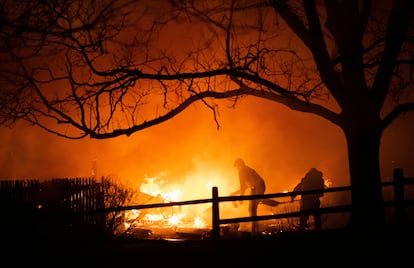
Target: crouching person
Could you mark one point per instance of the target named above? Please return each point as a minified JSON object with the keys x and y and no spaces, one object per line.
{"x":313,"y":180}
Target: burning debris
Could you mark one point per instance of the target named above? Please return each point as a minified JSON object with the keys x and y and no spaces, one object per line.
{"x":161,"y":222}
{"x":190,"y":221}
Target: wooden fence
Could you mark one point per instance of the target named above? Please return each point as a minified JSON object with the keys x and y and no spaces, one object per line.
{"x":57,"y":203}
{"x":83,"y":199}
{"x":400,"y":202}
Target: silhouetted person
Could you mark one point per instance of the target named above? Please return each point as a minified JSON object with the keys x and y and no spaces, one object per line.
{"x":313,"y":180}
{"x":252,"y":181}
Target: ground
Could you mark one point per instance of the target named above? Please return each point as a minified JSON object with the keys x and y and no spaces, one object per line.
{"x":340,"y":247}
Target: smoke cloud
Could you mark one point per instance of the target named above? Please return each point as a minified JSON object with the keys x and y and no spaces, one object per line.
{"x":279,"y":143}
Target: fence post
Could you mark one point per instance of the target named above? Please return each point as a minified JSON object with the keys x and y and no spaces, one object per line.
{"x":216,"y":214}
{"x":399,"y":195}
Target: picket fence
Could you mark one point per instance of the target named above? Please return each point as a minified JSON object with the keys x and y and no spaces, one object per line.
{"x":56,"y":203}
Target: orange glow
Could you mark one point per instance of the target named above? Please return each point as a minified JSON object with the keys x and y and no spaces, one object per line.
{"x":279,"y":143}
{"x":194,"y":155}
{"x":183,"y":158}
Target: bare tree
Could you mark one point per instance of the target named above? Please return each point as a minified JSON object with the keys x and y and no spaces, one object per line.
{"x":108,"y":68}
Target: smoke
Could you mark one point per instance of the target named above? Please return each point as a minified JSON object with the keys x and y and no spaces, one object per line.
{"x":279,"y":143}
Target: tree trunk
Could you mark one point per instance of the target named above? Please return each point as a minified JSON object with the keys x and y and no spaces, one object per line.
{"x":363,"y":155}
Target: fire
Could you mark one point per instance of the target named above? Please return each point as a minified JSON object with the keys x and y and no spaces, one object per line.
{"x":328,"y":183}
{"x":167,"y":217}
{"x":153,"y":187}
{"x":181,"y":219}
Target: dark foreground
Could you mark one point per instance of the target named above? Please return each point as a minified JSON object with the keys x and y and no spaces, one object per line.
{"x":331,"y":248}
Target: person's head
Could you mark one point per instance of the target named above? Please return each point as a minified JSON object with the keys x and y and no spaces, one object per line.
{"x":238,"y":163}
{"x":314,"y":173}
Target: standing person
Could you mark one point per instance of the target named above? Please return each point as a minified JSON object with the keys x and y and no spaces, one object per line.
{"x":251,"y":180}
{"x":313,"y":180}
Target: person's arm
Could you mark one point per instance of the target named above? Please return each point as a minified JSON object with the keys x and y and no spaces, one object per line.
{"x":241,"y":190}
{"x":297,"y":188}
